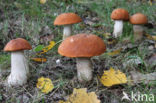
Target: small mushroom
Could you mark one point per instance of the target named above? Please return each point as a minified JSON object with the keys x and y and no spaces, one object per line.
{"x":138,"y":20}
{"x":119,"y":15}
{"x":67,"y":19}
{"x":82,"y":47}
{"x":19,"y":64}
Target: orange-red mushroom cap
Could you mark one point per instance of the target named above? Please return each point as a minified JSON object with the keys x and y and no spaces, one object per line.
{"x":120,"y":14}
{"x":17,"y":45}
{"x":67,"y":18}
{"x":82,"y":45}
{"x":138,"y":18}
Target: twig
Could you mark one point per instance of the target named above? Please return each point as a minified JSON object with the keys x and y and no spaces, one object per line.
{"x":138,"y":77}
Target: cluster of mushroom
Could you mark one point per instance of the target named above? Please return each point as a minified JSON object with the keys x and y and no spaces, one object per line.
{"x":138,"y":20}
{"x":83,"y":46}
{"x":80,"y":46}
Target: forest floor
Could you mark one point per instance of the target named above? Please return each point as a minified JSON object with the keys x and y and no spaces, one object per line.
{"x":34,"y":21}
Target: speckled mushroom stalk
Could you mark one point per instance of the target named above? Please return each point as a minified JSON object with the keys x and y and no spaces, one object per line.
{"x":67,"y":20}
{"x":67,"y":31}
{"x":118,"y":28}
{"x":19,"y":69}
{"x":84,"y":69}
{"x":19,"y":65}
{"x":82,"y":47}
{"x":119,"y":15}
{"x":138,"y":20}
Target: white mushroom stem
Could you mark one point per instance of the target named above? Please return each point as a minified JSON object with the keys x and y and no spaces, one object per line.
{"x":19,"y":69}
{"x":67,"y":31}
{"x":118,"y":27}
{"x":138,"y":31}
{"x":84,"y":69}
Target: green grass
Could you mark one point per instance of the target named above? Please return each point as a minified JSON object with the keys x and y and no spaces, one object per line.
{"x":4,"y":57}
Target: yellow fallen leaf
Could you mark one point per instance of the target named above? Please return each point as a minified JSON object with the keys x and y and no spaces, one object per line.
{"x":150,"y":2}
{"x":113,"y":77}
{"x":81,"y":96}
{"x":154,"y":38}
{"x":107,"y":35}
{"x":150,"y":37}
{"x":47,"y":48}
{"x":115,"y":52}
{"x":39,"y":59}
{"x":63,"y":102}
{"x":45,"y":85}
{"x":43,"y":1}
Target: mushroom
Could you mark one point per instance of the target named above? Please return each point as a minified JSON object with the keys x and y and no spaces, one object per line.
{"x":19,"y":65}
{"x":67,"y":19}
{"x":138,"y":20}
{"x":82,"y":47}
{"x":119,"y":15}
